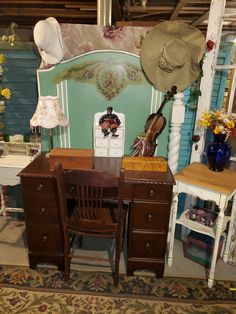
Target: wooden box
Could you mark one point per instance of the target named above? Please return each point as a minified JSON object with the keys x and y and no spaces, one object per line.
{"x":144,"y":163}
{"x":71,"y":158}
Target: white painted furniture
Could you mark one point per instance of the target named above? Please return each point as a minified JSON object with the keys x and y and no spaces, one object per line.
{"x":108,"y":146}
{"x":16,"y":156}
{"x":198,"y":181}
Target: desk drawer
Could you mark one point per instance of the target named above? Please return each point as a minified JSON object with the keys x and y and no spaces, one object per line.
{"x":41,"y":209}
{"x":38,"y":187}
{"x":147,"y":245}
{"x":100,"y":152}
{"x":45,"y":238}
{"x":98,"y":132}
{"x":115,"y":143}
{"x":151,"y":216}
{"x":153,"y":192}
{"x":103,"y":143}
{"x":115,"y":152}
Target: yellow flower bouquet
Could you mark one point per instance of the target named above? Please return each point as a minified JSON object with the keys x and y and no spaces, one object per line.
{"x":219,"y":122}
{"x":5,"y":92}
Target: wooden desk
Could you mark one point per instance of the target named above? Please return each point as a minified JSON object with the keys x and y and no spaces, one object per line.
{"x":149,"y":193}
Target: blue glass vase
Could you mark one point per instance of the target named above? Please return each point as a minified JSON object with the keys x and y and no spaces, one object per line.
{"x":218,"y":153}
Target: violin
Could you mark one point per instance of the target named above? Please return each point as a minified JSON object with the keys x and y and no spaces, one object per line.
{"x":156,"y":122}
{"x":154,"y":126}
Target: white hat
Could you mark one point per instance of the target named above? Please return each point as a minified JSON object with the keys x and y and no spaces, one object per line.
{"x":48,"y":38}
{"x":170,"y":55}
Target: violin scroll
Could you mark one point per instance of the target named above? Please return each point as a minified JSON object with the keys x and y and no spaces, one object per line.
{"x":171,"y":93}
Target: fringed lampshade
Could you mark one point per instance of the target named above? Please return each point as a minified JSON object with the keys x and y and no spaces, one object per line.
{"x":48,"y":114}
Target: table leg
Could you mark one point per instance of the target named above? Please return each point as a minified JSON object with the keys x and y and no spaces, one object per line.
{"x":173,"y":215}
{"x":230,"y":231}
{"x":216,"y":247}
{"x":3,"y":206}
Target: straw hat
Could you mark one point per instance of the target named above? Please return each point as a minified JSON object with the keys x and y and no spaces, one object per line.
{"x":48,"y":38}
{"x":170,"y":55}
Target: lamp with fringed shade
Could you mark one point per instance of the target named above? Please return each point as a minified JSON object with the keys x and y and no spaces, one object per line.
{"x":48,"y":114}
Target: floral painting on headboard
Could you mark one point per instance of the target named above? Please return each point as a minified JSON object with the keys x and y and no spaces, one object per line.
{"x":110,"y":76}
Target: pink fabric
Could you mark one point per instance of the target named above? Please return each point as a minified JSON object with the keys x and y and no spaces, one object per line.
{"x":80,"y":38}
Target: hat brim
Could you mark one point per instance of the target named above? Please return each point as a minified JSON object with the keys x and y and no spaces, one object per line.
{"x":56,"y":55}
{"x":151,"y":50}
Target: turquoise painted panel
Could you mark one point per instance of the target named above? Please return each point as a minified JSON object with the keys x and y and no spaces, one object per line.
{"x":20,"y":77}
{"x":133,"y":98}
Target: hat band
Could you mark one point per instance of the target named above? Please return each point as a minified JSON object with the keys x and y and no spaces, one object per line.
{"x":163,"y":64}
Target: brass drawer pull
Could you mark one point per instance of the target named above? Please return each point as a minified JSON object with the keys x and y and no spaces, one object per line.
{"x":71,"y":189}
{"x":147,"y":246}
{"x":152,"y":193}
{"x":149,"y":217}
{"x":40,"y":187}
{"x":44,"y":238}
{"x":42,"y":211}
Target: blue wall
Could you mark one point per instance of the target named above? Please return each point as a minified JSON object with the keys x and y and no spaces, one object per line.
{"x":20,"y":77}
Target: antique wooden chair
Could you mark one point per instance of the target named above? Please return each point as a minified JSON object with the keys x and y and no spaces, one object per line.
{"x":86,"y":211}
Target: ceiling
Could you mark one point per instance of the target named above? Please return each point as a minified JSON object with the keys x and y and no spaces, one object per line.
{"x":25,"y":13}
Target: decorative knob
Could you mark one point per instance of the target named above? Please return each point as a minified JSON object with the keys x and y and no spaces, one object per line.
{"x":44,"y":238}
{"x":151,"y":193}
{"x":42,"y":211}
{"x":196,"y":138}
{"x":40,"y":187}
{"x":147,"y":246}
{"x":149,"y":217}
{"x":71,"y":189}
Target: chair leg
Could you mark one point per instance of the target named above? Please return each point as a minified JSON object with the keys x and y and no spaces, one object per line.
{"x":66,"y":256}
{"x":80,"y":241}
{"x":117,"y":260}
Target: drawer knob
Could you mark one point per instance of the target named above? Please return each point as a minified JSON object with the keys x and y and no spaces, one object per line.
{"x":149,"y":217}
{"x":71,"y":189}
{"x":151,"y":193}
{"x":42,"y":211}
{"x":40,"y":187}
{"x":147,"y":246}
{"x":44,"y":238}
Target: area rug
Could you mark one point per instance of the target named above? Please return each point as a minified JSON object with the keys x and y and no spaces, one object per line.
{"x":26,"y":291}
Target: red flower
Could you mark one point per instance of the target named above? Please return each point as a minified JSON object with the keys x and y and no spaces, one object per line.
{"x":210,"y":45}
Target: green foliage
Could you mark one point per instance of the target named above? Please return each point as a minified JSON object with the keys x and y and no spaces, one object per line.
{"x":195,"y":91}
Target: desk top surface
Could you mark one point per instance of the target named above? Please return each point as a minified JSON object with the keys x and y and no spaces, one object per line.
{"x":199,"y":174}
{"x":39,"y":167}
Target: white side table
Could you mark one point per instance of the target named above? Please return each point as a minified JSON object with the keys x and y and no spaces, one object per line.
{"x":219,"y":187}
{"x":10,"y":166}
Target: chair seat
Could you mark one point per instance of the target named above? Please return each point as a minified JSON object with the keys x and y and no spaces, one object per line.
{"x":105,"y":222}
